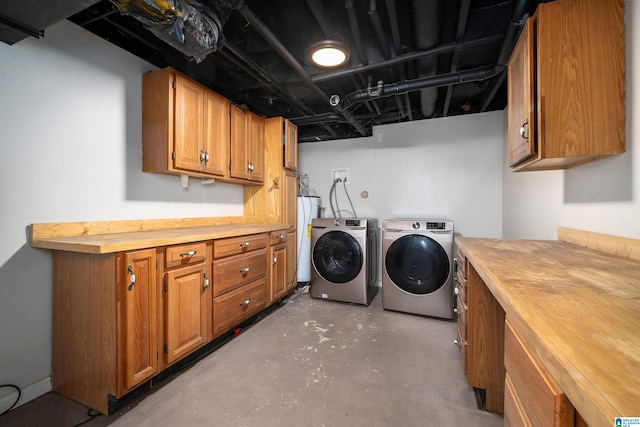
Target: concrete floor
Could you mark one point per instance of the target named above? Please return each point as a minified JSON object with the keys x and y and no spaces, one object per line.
{"x":309,"y":363}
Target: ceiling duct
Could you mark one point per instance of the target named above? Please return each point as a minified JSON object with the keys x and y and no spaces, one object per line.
{"x":426,"y":20}
{"x":191,"y":27}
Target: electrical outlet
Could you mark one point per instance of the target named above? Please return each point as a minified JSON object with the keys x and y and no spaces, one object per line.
{"x":340,"y":174}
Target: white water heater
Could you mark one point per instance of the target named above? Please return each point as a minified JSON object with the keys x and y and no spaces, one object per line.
{"x":308,"y":208}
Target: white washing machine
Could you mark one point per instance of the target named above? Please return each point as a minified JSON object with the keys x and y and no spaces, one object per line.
{"x":344,"y":259}
{"x":417,"y":266}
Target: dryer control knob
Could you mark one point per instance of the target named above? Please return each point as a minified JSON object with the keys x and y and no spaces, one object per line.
{"x":416,"y":225}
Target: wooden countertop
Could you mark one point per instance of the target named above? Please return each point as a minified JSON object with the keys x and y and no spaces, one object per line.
{"x":578,"y":309}
{"x":131,"y":240}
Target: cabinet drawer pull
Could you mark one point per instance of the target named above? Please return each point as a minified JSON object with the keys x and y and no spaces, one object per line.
{"x":206,"y":281}
{"x":245,"y":303}
{"x":132,"y":278}
{"x":245,"y":244}
{"x":523,"y":130}
{"x":245,"y":270}
{"x":190,"y":253}
{"x":457,"y":343}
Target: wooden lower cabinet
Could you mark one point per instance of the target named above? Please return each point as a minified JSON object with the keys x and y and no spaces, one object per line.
{"x":278,"y":262}
{"x":186,"y":301}
{"x":532,"y":397}
{"x":119,"y":319}
{"x":137,"y":356}
{"x":240,"y":281}
{"x":292,"y":260}
{"x":485,"y":340}
{"x":104,"y":325}
{"x":462,"y":309}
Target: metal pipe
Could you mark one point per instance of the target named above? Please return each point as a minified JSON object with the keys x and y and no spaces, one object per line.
{"x":21,"y":27}
{"x":421,"y":83}
{"x":444,"y":48}
{"x":377,"y":26}
{"x":462,"y":24}
{"x":519,"y":15}
{"x":395,"y":30}
{"x":284,"y":53}
{"x":258,"y":73}
{"x":355,"y":31}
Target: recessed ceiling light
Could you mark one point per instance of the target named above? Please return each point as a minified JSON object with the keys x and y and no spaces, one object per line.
{"x":329,"y":54}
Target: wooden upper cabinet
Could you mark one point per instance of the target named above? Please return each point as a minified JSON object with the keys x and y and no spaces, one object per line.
{"x":290,"y":138}
{"x":216,"y":134}
{"x":522,"y":127}
{"x":567,"y":86}
{"x":185,"y":127}
{"x":247,"y":146}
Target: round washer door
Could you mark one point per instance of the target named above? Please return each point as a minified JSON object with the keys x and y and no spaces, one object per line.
{"x":417,"y":264}
{"x":337,"y":257}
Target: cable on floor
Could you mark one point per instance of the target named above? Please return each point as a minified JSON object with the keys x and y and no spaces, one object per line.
{"x":17,"y":399}
{"x":91,"y":413}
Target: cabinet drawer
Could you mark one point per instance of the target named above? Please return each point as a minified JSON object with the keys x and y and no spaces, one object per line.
{"x":543,"y":402}
{"x":233,"y":307}
{"x":238,"y":245}
{"x":190,"y":253}
{"x":514,"y":415}
{"x":462,"y":318}
{"x":461,"y":265}
{"x":460,"y":287}
{"x":278,"y":237}
{"x":233,"y":272}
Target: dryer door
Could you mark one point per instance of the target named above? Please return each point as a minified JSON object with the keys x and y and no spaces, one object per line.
{"x":417,"y":264}
{"x":337,"y":257}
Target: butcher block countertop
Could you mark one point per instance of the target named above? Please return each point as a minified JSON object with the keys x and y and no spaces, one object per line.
{"x":579,"y":311}
{"x":109,"y":237}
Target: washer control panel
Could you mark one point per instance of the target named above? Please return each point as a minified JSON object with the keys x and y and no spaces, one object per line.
{"x":436,"y":225}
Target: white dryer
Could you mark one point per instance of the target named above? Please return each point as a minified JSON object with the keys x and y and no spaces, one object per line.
{"x":344,"y":259}
{"x":417,"y":266}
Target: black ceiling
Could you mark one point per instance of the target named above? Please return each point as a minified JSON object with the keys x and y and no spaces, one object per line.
{"x":410,"y":59}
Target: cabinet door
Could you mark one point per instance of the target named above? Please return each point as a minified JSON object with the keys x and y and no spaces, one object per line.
{"x":239,"y":144}
{"x":216,"y":134}
{"x":522,"y":125}
{"x":292,"y":260}
{"x":256,"y":147}
{"x":188,"y":124}
{"x":290,"y":145}
{"x":278,"y":272}
{"x":290,"y":199}
{"x":138,"y":359}
{"x":185,"y":314}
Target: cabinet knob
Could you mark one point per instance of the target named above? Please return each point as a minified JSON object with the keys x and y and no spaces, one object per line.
{"x":245,"y":270}
{"x":202,"y":156}
{"x":275,"y":260}
{"x":245,"y":244}
{"x":245,"y":303}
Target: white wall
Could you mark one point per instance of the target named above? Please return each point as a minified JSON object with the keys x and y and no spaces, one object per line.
{"x":447,"y":167}
{"x":603,"y":196}
{"x":70,"y":150}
